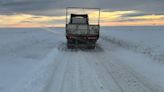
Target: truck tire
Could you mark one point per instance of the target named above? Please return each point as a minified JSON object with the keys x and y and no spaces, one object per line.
{"x":69,"y":44}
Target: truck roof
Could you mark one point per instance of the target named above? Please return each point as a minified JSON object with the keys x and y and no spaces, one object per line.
{"x":79,"y":15}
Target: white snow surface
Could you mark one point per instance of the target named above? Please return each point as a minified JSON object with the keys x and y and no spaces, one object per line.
{"x":144,"y":39}
{"x":21,"y":50}
{"x":126,"y":59}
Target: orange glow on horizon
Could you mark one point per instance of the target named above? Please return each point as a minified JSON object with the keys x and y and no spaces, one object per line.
{"x":32,"y":25}
{"x":107,"y":19}
{"x":136,"y":23}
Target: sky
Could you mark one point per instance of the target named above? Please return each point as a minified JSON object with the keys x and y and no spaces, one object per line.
{"x":51,"y":13}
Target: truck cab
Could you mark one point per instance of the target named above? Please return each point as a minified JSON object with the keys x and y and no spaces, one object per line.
{"x":79,"y":19}
{"x":80,"y":33}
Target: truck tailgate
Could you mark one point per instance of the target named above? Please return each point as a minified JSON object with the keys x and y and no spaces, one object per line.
{"x":81,"y":29}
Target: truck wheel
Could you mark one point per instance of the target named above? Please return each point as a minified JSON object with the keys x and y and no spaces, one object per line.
{"x":69,"y":44}
{"x":91,"y":47}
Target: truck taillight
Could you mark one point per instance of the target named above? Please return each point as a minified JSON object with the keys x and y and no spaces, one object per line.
{"x":91,"y":37}
{"x":70,"y":37}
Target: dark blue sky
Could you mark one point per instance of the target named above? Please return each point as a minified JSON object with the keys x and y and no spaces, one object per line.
{"x":52,"y":7}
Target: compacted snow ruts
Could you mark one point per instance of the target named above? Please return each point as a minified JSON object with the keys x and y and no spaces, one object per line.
{"x":87,"y":71}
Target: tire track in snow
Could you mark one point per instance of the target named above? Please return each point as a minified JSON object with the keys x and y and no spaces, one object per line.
{"x":57,"y":79}
{"x":101,"y":77}
{"x":49,"y":82}
{"x":107,"y":81}
{"x":127,"y":80}
{"x":68,"y":81}
{"x":66,"y":77}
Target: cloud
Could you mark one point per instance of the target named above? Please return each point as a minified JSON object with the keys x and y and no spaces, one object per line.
{"x":52,"y":7}
{"x":115,"y":15}
{"x":26,"y":19}
{"x":107,"y":18}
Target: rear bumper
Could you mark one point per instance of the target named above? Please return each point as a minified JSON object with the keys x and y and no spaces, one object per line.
{"x":81,"y":41}
{"x":81,"y":45}
{"x":84,"y":37}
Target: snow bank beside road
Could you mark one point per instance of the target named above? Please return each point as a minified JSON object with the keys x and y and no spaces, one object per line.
{"x":40,"y":76}
{"x":21,"y":51}
{"x":148,"y":40}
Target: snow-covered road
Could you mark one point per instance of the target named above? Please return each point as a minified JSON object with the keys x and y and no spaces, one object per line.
{"x":108,"y":68}
{"x":96,"y":71}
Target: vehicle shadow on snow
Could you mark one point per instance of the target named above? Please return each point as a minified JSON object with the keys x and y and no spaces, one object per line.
{"x":63,"y":47}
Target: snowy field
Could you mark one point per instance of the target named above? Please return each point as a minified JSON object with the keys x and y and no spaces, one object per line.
{"x":147,"y":40}
{"x":126,"y":59}
{"x":21,"y":50}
